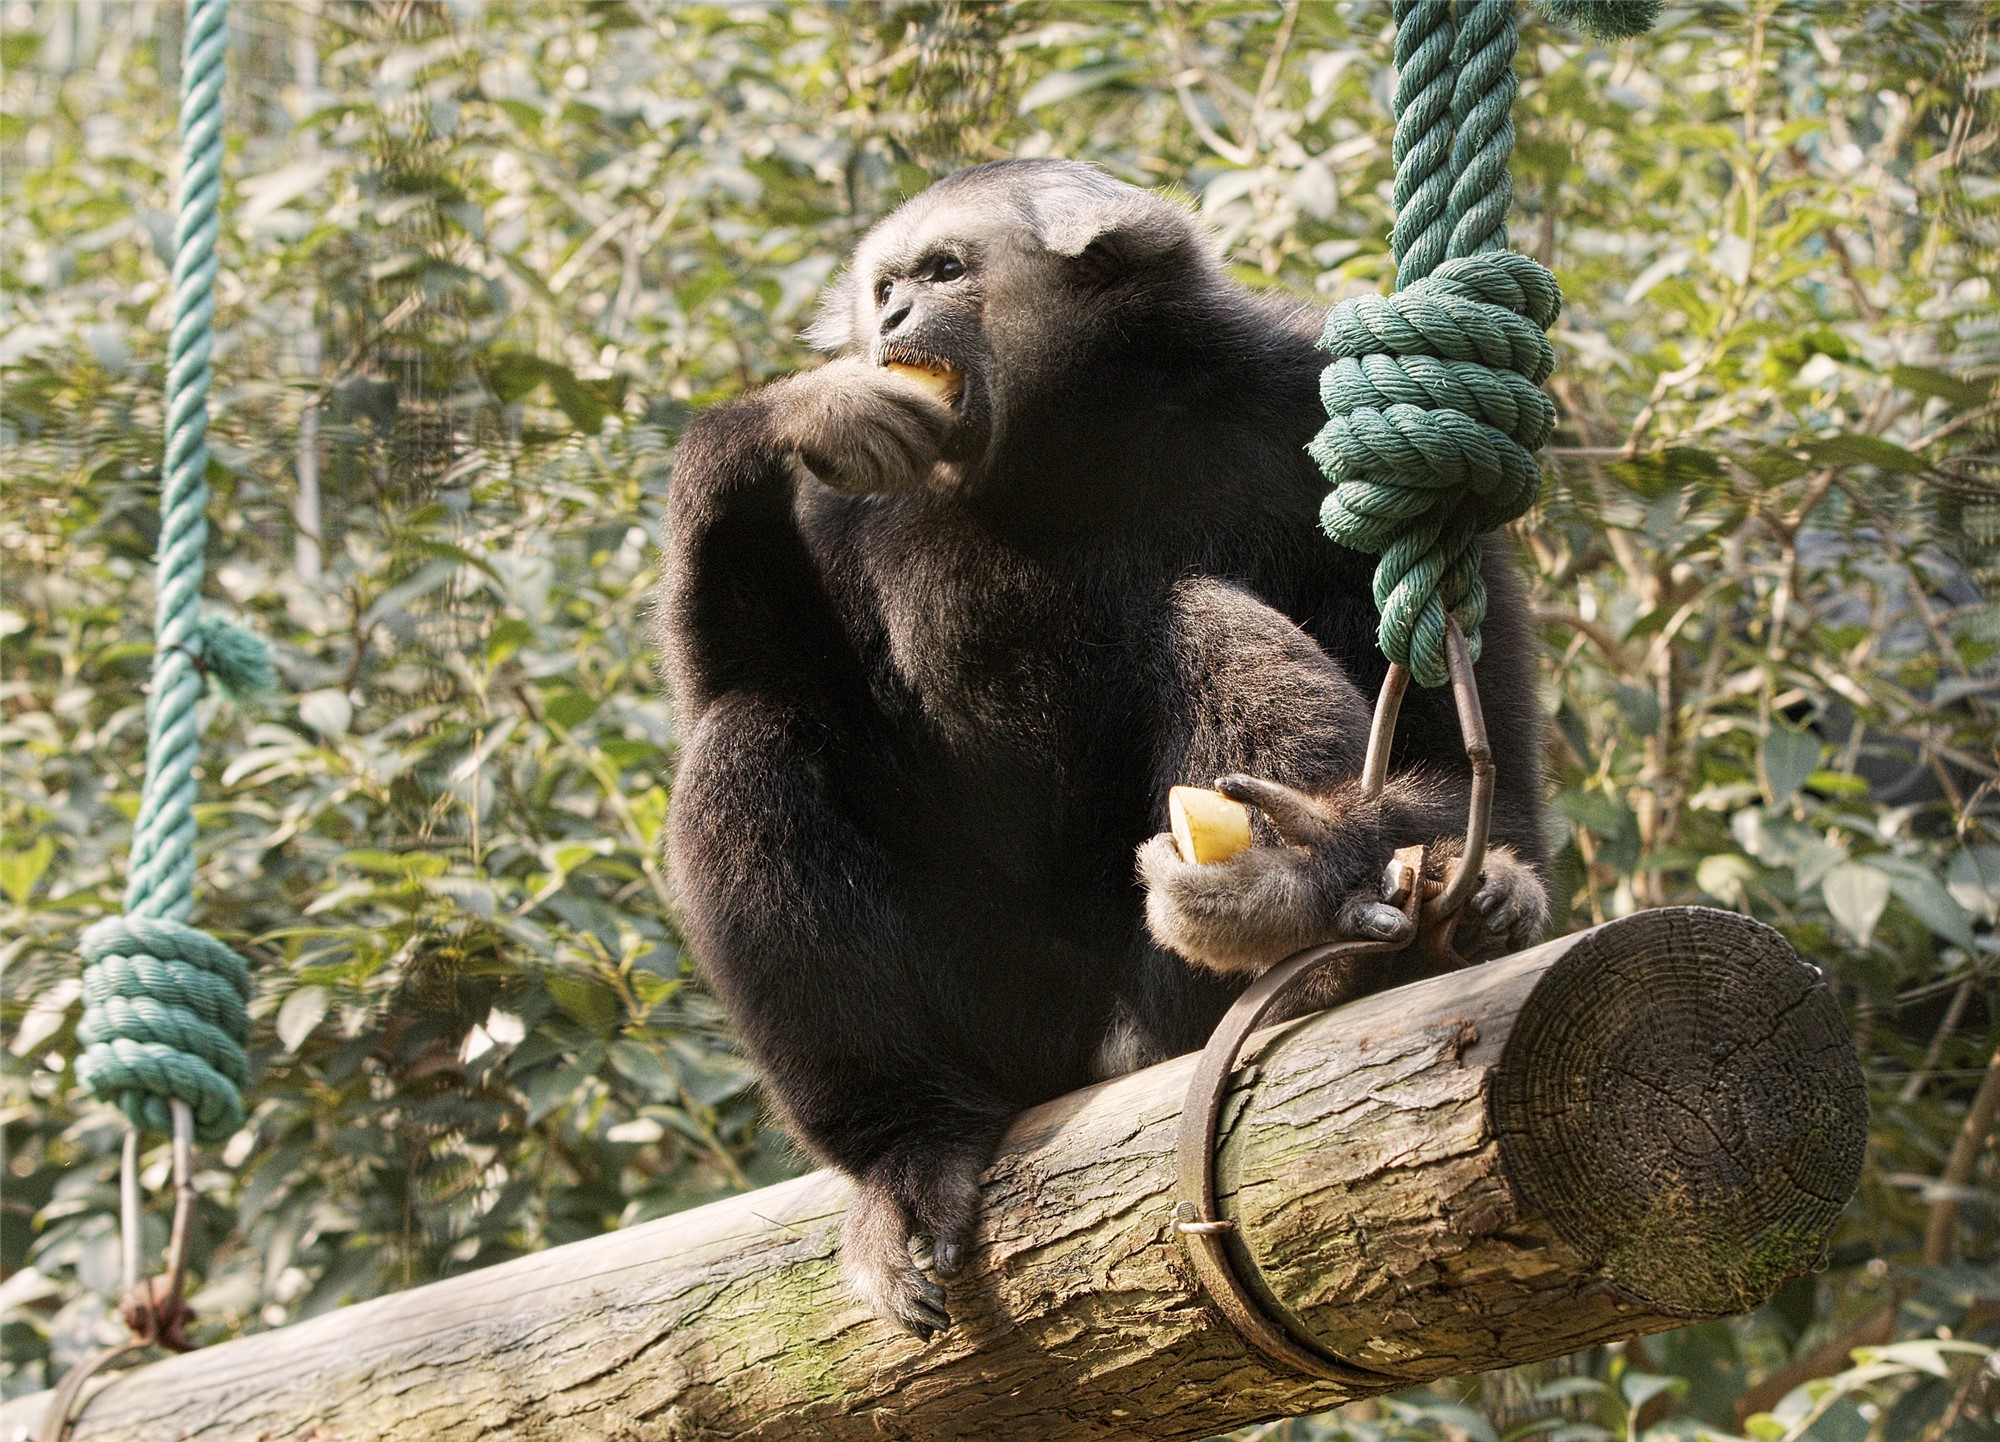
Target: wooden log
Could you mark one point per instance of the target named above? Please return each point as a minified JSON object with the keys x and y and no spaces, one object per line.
{"x":1652,"y":1121}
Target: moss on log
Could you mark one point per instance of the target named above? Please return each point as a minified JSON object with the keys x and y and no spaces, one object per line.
{"x":1655,"y":1120}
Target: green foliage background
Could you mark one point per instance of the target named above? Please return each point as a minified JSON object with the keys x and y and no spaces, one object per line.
{"x":479,"y":262}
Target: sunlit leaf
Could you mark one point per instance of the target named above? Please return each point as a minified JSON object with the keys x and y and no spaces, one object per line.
{"x":302,"y":1011}
{"x":1857,"y":895}
{"x":21,"y":871}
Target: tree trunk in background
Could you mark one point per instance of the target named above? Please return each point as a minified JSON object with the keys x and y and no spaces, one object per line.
{"x":1652,"y":1121}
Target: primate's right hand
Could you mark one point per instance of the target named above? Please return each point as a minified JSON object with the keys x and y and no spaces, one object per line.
{"x":1324,"y":883}
{"x":859,"y":427}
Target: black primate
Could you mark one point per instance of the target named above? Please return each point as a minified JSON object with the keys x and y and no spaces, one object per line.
{"x":938,"y":661}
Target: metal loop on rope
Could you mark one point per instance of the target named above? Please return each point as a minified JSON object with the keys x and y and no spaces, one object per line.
{"x":1226,"y":1268}
{"x":153,"y":1308}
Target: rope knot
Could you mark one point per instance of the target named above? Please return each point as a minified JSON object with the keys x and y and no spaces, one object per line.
{"x":1435,"y":412}
{"x":164,"y":1019}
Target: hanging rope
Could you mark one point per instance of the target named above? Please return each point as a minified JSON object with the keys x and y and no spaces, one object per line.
{"x":164,"y":1004}
{"x":1434,"y":396}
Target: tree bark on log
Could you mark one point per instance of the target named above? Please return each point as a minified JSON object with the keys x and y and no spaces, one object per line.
{"x":1653,"y":1121}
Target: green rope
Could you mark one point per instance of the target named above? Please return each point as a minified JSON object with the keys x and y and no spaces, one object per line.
{"x":164,"y":1004}
{"x":1434,"y":399}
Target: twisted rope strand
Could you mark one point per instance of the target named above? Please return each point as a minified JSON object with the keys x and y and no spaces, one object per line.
{"x":1482,"y":115}
{"x":1422,"y":146}
{"x":1433,"y":400}
{"x":164,"y":1004}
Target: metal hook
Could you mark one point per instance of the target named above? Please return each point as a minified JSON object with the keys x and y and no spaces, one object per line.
{"x":1472,"y":728}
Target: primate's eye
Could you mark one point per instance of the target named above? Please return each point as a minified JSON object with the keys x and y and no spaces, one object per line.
{"x":950,"y":268}
{"x":882,"y":288}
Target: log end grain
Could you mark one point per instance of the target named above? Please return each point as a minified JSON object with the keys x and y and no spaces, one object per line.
{"x":1680,"y":1101}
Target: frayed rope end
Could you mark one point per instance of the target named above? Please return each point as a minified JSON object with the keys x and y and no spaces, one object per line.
{"x":1603,"y":19}
{"x":236,"y":660}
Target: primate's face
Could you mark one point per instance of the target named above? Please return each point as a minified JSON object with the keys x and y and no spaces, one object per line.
{"x":921,"y":290}
{"x":1000,"y":289}
{"x":923,"y":307}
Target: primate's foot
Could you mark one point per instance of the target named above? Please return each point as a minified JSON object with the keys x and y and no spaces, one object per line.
{"x":906,"y":1235}
{"x":1509,"y":911}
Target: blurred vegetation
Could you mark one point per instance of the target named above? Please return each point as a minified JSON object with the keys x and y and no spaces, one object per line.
{"x":479,"y":262}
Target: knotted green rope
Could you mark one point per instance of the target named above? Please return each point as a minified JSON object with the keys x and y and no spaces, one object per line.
{"x":164,"y":1004}
{"x":1433,"y":399}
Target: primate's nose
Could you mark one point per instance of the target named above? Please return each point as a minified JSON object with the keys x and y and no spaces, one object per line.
{"x":898,"y":312}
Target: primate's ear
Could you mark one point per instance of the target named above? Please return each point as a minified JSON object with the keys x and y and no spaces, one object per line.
{"x":1113,"y":235}
{"x":833,"y":328}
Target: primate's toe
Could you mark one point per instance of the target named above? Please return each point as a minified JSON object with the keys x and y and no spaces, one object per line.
{"x":942,"y":1257}
{"x":947,"y":1258}
{"x":920,"y":1308}
{"x":910,"y":1228}
{"x":1364,"y":918}
{"x":880,"y":1258}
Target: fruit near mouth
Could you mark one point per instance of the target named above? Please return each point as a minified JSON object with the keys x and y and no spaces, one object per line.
{"x":940,"y":380}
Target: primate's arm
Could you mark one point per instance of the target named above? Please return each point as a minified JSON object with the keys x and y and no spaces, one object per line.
{"x":1253,"y":703}
{"x":789,"y":902}
{"x":742,"y":603}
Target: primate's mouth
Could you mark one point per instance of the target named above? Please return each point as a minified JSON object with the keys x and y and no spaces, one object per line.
{"x":940,"y":377}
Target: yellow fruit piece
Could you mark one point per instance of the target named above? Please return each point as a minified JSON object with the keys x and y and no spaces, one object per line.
{"x":941,"y":381}
{"x":1207,"y":825}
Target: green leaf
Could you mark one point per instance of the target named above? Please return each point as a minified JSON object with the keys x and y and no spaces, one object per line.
{"x":1068,"y":84}
{"x":20,"y":871}
{"x":585,"y":998}
{"x":649,"y":813}
{"x":18,"y":47}
{"x":506,"y":638}
{"x":567,"y":856}
{"x":329,"y":712}
{"x":1660,"y":473}
{"x":1561,"y":1389}
{"x":710,"y":1078}
{"x":1860,"y":450}
{"x":1837,"y":784}
{"x":1815,"y":857}
{"x":1641,"y":707}
{"x":569,"y":709}
{"x":1786,"y":758}
{"x":643,"y":1067}
{"x":1639,"y":1388}
{"x":397,"y":863}
{"x":1856,"y":894}
{"x":1725,"y":876}
{"x":1919,"y":889}
{"x":1923,"y":1354}
{"x":588,"y":402}
{"x":1926,"y":381}
{"x":1973,"y":880}
{"x":550,"y":1087}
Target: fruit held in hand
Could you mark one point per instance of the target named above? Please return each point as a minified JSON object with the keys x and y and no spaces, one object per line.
{"x":1207,"y":825}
